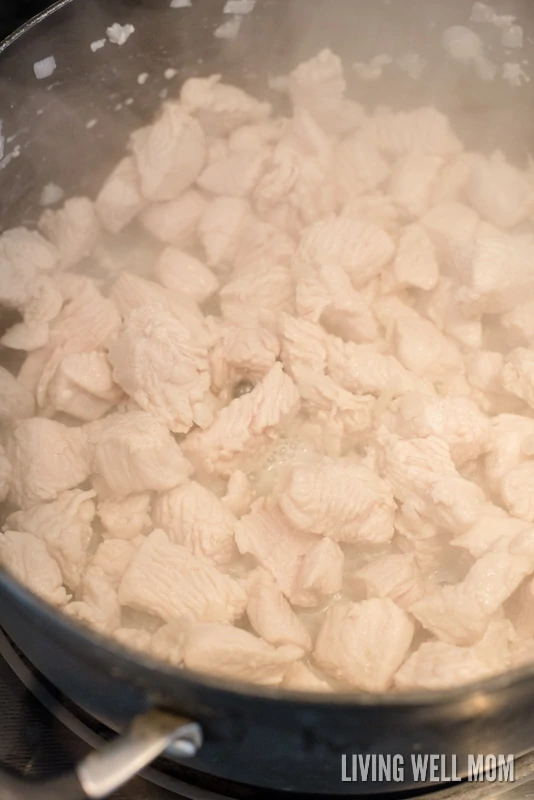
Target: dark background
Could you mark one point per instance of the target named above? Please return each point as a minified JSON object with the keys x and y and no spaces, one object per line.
{"x":15,"y":12}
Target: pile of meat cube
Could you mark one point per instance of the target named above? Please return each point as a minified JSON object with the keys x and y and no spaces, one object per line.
{"x":293,"y":443}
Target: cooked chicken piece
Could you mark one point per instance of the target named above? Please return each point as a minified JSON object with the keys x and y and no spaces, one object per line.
{"x":270,"y":614}
{"x":125,"y":517}
{"x":416,"y":264}
{"x":25,"y":258}
{"x":113,"y":557}
{"x":359,"y":166}
{"x":120,"y":199}
{"x":169,"y":154}
{"x":167,"y":580}
{"x":176,"y":221}
{"x":256,"y":135}
{"x":424,"y":350}
{"x":362,"y":249}
{"x":394,"y":576}
{"x":73,"y":229}
{"x":300,"y":678}
{"x":248,"y":300}
{"x":221,"y":108}
{"x":194,"y":517}
{"x":233,"y":653}
{"x":424,"y":478}
{"x":182,"y":273}
{"x":16,"y":402}
{"x":241,"y":353}
{"x":421,"y":130}
{"x":512,"y":443}
{"x":261,"y":245}
{"x":158,"y":363}
{"x":221,"y":227}
{"x":494,"y":530}
{"x":412,"y":181}
{"x":461,"y":613}
{"x":242,"y":430}
{"x":456,"y":420}
{"x":452,"y":180}
{"x":168,"y":642}
{"x":519,"y":325}
{"x":521,"y":610}
{"x":452,"y":228}
{"x":484,"y":372}
{"x":99,"y":607}
{"x":342,"y":500}
{"x":83,"y":386}
{"x":47,"y":458}
{"x":26,"y":336}
{"x":133,"y":639}
{"x":517,"y":490}
{"x":134,"y":453}
{"x":65,"y":526}
{"x":518,"y":374}
{"x":26,"y":558}
{"x":364,"y":644}
{"x":239,"y":494}
{"x":290,"y":556}
{"x":499,"y":192}
{"x":6,"y":472}
{"x":235,"y":175}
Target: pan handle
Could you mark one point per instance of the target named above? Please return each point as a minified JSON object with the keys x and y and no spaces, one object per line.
{"x":103,"y":772}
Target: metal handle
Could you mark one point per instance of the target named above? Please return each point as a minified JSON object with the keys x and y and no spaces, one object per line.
{"x":103,"y":772}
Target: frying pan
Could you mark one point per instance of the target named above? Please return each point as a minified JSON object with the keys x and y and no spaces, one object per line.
{"x":262,"y":741}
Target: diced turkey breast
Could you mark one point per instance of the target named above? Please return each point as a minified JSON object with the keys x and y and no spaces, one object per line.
{"x":73,"y":229}
{"x":412,"y":180}
{"x":65,"y":526}
{"x":24,"y":257}
{"x":270,"y":614}
{"x":364,"y":644}
{"x":113,"y":557}
{"x":359,"y":166}
{"x":242,"y":429}
{"x":249,"y":299}
{"x":83,"y":386}
{"x":221,"y":226}
{"x":342,"y":500}
{"x":176,"y":221}
{"x":423,"y":130}
{"x":235,"y":175}
{"x":241,"y":352}
{"x":499,"y":192}
{"x":16,"y":402}
{"x":233,"y":653}
{"x":125,"y":517}
{"x":194,"y":517}
{"x":6,"y":472}
{"x":120,"y":199}
{"x":99,"y":607}
{"x":134,"y":453}
{"x":221,"y":108}
{"x":239,"y":496}
{"x":512,"y":443}
{"x":416,"y":264}
{"x":394,"y":576}
{"x":456,"y":420}
{"x":167,"y":580}
{"x":158,"y":363}
{"x":47,"y":458}
{"x":26,"y":558}
{"x":300,"y":678}
{"x":182,"y":273}
{"x":461,"y":613}
{"x":169,"y":154}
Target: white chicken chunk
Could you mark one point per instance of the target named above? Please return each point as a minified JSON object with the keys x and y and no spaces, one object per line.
{"x":133,"y":453}
{"x":452,"y":228}
{"x":452,"y":180}
{"x":120,"y":198}
{"x":460,"y":613}
{"x":133,"y":639}
{"x":99,"y":607}
{"x":47,"y":458}
{"x":512,"y":444}
{"x":175,"y":222}
{"x":16,"y":402}
{"x":395,"y":576}
{"x":495,"y":529}
{"x":229,"y":652}
{"x":169,"y":154}
{"x":424,"y":350}
{"x":359,"y":166}
{"x":522,"y":610}
{"x":421,"y":130}
{"x":167,"y":580}
{"x":194,"y":517}
{"x":239,"y":494}
{"x":499,"y":192}
{"x":412,"y":180}
{"x":518,"y":374}
{"x":83,"y":386}
{"x":221,"y":227}
{"x":158,"y":363}
{"x":270,"y":614}
{"x":25,"y":259}
{"x":125,"y":517}
{"x":168,"y":642}
{"x":364,"y":644}
{"x":221,"y":108}
{"x":345,"y":501}
{"x":306,"y":569}
{"x":248,"y":299}
{"x":26,"y":558}
{"x":300,"y":678}
{"x":182,"y":273}
{"x":517,"y":490}
{"x":519,"y":325}
{"x":6,"y":471}
{"x":65,"y":526}
{"x":113,"y":557}
{"x":244,"y":428}
{"x":241,"y":352}
{"x":416,"y":264}
{"x":235,"y":175}
{"x":73,"y":229}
